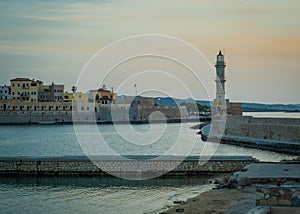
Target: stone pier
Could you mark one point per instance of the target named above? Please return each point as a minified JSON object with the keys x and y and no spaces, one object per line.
{"x":84,"y":166}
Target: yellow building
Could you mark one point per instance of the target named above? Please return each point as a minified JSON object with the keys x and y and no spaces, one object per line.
{"x":102,"y":96}
{"x":25,"y":89}
{"x":76,"y":97}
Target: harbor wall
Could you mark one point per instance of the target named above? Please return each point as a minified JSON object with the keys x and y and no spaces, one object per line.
{"x":90,"y":113}
{"x":274,"y":134}
{"x":84,"y":166}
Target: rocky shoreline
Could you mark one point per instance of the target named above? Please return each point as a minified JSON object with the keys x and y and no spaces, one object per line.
{"x":258,"y":188}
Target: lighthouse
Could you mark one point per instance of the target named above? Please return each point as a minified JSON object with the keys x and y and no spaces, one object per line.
{"x":220,"y":101}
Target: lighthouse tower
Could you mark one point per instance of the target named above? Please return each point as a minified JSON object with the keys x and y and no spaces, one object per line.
{"x":220,"y":101}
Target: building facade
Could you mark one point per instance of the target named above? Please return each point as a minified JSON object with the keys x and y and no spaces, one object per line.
{"x":52,"y":93}
{"x":25,"y":89}
{"x":76,"y":97}
{"x":5,"y":93}
{"x":102,"y":96}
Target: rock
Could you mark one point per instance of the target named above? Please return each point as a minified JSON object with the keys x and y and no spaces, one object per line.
{"x":266,"y":191}
{"x":262,"y":203}
{"x":267,"y":196}
{"x":179,"y":202}
{"x":284,"y":202}
{"x":259,"y":196}
{"x":296,"y":199}
{"x":272,"y":201}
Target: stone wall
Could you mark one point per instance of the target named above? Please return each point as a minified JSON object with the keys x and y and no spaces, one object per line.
{"x":103,"y":114}
{"x":275,"y":134}
{"x":82,"y":165}
{"x":278,"y":196}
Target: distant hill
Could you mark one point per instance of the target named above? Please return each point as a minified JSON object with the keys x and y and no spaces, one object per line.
{"x":174,"y":101}
{"x":247,"y":107}
{"x":258,"y":107}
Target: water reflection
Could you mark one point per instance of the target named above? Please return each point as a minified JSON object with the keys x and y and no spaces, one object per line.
{"x":103,"y":181}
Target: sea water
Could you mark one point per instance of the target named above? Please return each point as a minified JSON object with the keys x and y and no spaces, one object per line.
{"x":104,"y":194}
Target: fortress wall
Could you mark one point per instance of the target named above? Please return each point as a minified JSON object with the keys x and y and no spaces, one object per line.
{"x":237,"y":119}
{"x":34,"y":117}
{"x":273,"y":129}
{"x":274,"y":134}
{"x":82,"y":165}
{"x":120,"y":114}
{"x":280,"y":121}
{"x":264,"y":131}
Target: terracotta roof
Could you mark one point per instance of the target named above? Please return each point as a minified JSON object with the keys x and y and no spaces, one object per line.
{"x":100,"y":90}
{"x":103,"y":90}
{"x":21,"y":79}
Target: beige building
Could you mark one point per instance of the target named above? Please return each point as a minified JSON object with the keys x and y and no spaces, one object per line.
{"x":25,"y":89}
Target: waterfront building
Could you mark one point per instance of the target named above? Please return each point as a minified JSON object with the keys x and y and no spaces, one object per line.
{"x":102,"y":96}
{"x":75,"y":97}
{"x":5,"y":93}
{"x":52,"y":93}
{"x":25,"y":89}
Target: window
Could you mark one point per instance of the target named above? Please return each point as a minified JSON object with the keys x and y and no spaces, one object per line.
{"x":13,"y":85}
{"x":18,"y":85}
{"x":13,"y":93}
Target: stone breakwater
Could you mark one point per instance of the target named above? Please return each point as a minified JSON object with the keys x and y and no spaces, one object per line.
{"x":84,"y":166}
{"x":278,"y":196}
{"x":274,"y":134}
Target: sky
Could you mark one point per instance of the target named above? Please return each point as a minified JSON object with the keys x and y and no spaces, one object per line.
{"x":53,"y":41}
